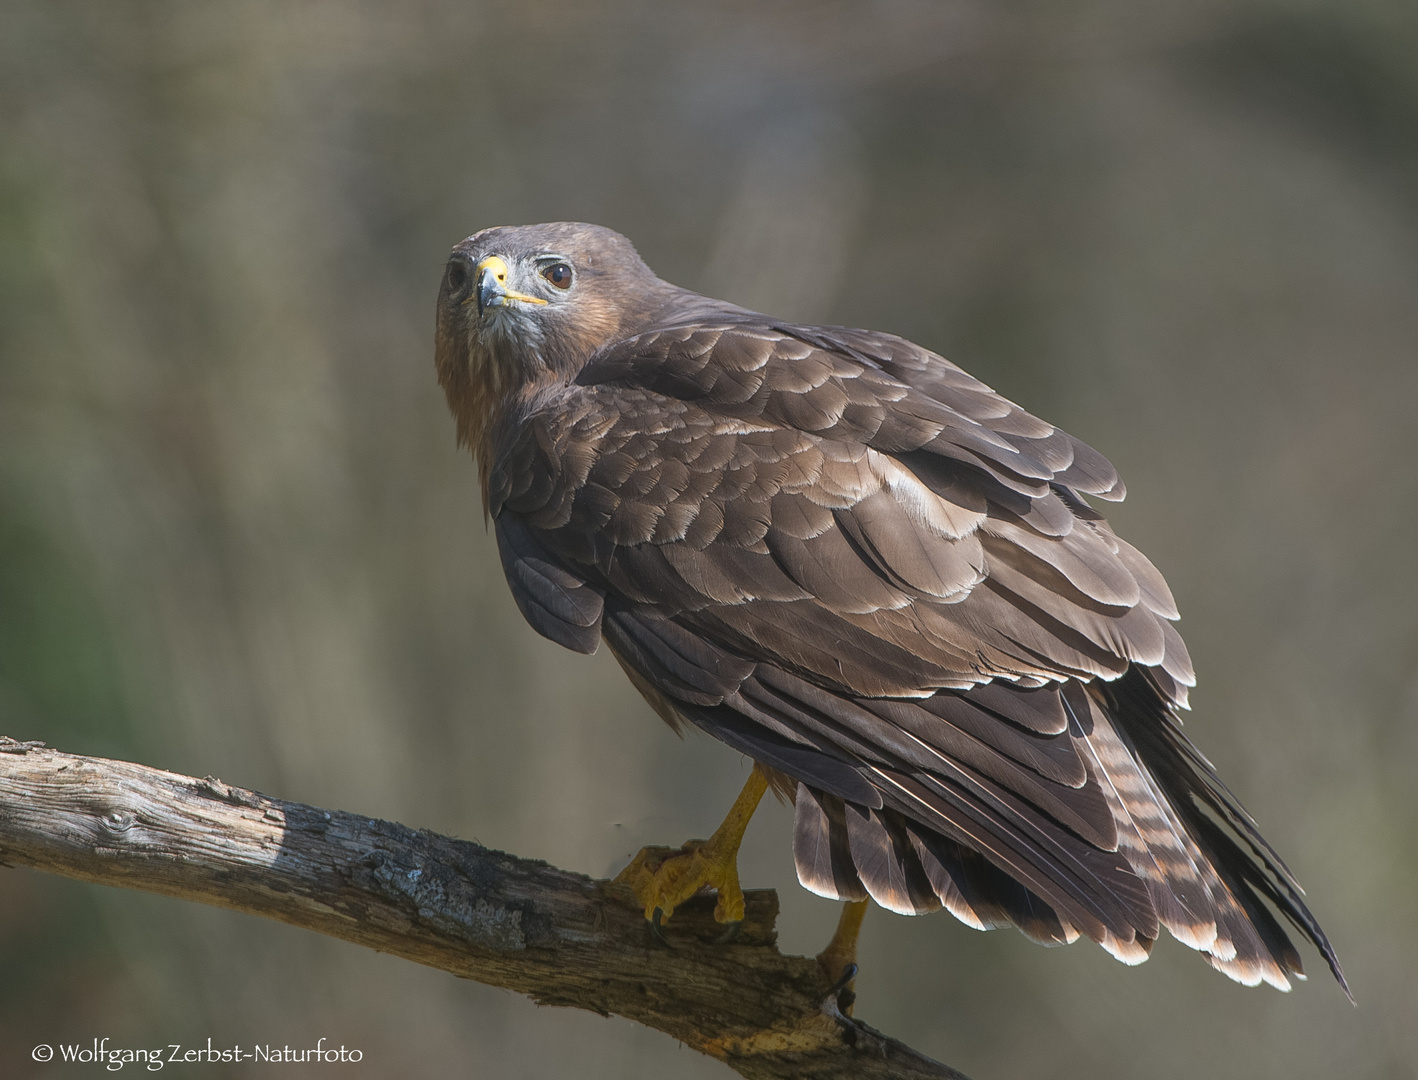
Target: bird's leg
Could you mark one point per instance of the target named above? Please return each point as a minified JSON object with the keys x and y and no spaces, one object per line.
{"x":838,"y":962}
{"x":663,"y":878}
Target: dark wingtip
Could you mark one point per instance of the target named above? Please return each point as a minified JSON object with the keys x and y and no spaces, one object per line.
{"x":1327,"y":951}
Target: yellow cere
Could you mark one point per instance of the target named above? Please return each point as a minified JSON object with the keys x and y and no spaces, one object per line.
{"x":498,"y":268}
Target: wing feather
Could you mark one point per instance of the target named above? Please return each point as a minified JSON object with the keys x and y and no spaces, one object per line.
{"x":850,"y":560}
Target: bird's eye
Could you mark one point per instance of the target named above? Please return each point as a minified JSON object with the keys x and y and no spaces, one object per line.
{"x":559,"y":274}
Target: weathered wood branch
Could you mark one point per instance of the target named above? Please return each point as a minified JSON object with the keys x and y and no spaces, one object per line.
{"x":562,"y":938}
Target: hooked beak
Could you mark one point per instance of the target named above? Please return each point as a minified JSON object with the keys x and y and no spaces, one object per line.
{"x":490,"y":286}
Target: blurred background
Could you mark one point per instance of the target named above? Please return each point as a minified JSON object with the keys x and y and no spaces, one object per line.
{"x":236,"y":537}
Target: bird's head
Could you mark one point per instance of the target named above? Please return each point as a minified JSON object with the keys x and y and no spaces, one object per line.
{"x":524,"y":304}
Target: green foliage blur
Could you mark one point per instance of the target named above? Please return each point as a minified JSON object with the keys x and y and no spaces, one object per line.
{"x":236,"y":537}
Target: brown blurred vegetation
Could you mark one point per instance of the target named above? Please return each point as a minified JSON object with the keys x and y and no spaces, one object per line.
{"x":236,"y":537}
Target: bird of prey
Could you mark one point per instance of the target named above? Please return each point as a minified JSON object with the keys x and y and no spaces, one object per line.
{"x":880,"y":580}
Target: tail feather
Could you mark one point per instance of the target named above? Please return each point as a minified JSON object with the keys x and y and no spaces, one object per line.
{"x":1192,"y":851}
{"x":1184,"y":889}
{"x":1227,"y":837}
{"x":981,"y":895}
{"x":889,"y":868}
{"x":821,"y":849}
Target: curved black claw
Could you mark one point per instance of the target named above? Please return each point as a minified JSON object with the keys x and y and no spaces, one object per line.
{"x":848,"y":974}
{"x":656,"y":929}
{"x":731,"y":931}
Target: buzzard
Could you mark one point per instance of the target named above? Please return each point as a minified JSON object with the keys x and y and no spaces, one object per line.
{"x":848,"y":559}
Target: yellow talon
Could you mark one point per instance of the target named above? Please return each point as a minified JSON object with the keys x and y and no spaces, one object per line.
{"x":838,"y":962}
{"x":663,"y":878}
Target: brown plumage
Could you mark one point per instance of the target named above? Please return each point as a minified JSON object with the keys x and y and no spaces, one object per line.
{"x":846,"y":558}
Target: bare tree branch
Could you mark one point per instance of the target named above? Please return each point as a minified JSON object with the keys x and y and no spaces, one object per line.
{"x":562,"y":938}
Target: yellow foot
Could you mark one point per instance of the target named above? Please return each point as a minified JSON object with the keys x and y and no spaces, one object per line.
{"x":838,"y":962}
{"x":663,"y":878}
